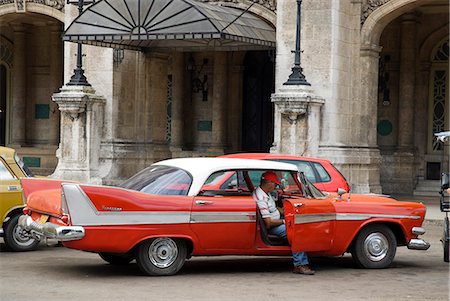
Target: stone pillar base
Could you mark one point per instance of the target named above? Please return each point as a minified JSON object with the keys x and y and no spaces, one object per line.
{"x":360,"y":165}
{"x":81,"y":131}
{"x":120,"y":160}
{"x":397,"y":173}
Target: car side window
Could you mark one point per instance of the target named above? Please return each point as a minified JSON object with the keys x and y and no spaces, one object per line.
{"x":323,"y":174}
{"x":5,"y":174}
{"x":225,"y":183}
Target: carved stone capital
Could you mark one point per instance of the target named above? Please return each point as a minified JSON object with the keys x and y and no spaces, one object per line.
{"x":21,"y":5}
{"x":369,"y":6}
{"x":74,"y":100}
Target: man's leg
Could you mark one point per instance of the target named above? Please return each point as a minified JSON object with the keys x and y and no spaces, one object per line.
{"x":300,"y":259}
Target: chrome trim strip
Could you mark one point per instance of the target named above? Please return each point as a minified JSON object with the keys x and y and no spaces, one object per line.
{"x":314,"y":218}
{"x":82,"y":212}
{"x":323,"y":217}
{"x":223,"y":217}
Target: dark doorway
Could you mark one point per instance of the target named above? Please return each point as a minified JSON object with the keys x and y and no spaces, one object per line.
{"x":3,"y":95}
{"x":257,"y":109}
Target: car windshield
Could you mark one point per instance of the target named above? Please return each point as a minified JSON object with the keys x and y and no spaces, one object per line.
{"x":23,"y":166}
{"x":310,"y":189}
{"x":160,"y":179}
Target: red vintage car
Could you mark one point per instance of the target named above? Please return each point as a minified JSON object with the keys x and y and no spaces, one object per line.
{"x":164,"y":215}
{"x":321,"y":172}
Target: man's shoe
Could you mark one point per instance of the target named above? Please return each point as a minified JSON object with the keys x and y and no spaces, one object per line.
{"x":303,"y":269}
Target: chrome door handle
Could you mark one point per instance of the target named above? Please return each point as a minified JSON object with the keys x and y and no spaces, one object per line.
{"x":298,"y":205}
{"x":201,"y":202}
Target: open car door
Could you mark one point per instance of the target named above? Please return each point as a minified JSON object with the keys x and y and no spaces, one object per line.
{"x":310,"y":220}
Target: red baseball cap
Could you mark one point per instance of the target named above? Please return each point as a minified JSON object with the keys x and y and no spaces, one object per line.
{"x":271,"y":176}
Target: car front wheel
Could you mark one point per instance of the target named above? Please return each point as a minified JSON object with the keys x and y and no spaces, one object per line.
{"x":162,"y":256}
{"x":374,"y":247}
{"x":16,"y":238}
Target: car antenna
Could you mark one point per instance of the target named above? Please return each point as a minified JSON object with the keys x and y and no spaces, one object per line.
{"x":349,"y":193}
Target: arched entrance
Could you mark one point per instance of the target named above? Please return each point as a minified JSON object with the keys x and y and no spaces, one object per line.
{"x":31,"y":60}
{"x":408,"y":86}
{"x":258,"y":110}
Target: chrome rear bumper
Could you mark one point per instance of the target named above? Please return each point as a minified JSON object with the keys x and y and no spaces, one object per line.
{"x":418,"y":244}
{"x":50,"y":230}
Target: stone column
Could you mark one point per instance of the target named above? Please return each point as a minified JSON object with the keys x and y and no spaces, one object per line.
{"x":178,"y":96}
{"x":421,"y":119}
{"x":55,"y":80}
{"x":297,"y":121}
{"x":82,"y":114}
{"x":234,"y":106}
{"x":407,"y":82}
{"x":220,"y":95}
{"x":19,"y":87}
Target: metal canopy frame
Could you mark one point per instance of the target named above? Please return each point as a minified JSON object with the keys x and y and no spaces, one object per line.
{"x":176,"y":24}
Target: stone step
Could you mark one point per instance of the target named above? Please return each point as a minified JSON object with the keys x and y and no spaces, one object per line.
{"x":426,"y":193}
{"x":428,"y":188}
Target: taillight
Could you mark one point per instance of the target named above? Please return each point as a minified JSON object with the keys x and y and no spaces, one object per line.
{"x":65,"y":219}
{"x":26,"y":211}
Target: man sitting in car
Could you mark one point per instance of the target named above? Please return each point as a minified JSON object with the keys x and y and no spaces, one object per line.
{"x":272,"y":218}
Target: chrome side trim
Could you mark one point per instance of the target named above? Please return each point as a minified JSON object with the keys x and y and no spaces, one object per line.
{"x":83,"y":212}
{"x":322,"y":217}
{"x":363,"y":216}
{"x":223,"y":217}
{"x":418,"y":244}
{"x":314,"y":218}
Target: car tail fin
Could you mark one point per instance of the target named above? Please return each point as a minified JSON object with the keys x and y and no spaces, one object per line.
{"x":43,"y":195}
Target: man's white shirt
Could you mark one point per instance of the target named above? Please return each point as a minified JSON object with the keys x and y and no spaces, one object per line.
{"x":266,"y":204}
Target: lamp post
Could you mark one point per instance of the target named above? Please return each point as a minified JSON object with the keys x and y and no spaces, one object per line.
{"x":78,"y":78}
{"x":297,"y":77}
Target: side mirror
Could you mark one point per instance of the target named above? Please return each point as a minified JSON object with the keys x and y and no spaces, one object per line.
{"x":444,"y":181}
{"x":341,"y":191}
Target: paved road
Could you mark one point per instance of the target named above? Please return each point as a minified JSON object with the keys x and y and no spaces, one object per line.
{"x":57,"y":273}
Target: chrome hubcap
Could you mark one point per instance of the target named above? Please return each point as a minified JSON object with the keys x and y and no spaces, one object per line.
{"x":22,"y":237}
{"x":163,"y":252}
{"x":376,"y":246}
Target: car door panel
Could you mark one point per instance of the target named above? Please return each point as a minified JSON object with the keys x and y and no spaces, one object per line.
{"x":224,"y":222}
{"x":310,"y":224}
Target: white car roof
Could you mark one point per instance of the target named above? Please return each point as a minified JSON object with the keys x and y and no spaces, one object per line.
{"x":202,"y":168}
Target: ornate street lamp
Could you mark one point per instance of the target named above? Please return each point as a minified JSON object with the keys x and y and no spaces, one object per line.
{"x":297,"y":77}
{"x":78,"y":78}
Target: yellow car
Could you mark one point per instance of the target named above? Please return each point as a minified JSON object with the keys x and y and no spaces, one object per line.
{"x":12,"y":169}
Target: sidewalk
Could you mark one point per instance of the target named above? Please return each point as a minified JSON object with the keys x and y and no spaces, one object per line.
{"x":432,"y":203}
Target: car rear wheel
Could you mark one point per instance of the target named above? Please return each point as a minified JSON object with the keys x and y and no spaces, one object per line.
{"x":116,"y":259}
{"x":162,"y":256}
{"x":16,"y":238}
{"x":374,"y":247}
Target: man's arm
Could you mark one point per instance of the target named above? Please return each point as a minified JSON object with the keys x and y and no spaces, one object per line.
{"x":271,"y":222}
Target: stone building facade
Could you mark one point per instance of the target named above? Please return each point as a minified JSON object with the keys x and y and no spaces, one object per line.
{"x":378,"y":74}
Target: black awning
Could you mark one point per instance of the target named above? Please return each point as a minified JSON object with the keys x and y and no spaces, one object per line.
{"x":175,"y":24}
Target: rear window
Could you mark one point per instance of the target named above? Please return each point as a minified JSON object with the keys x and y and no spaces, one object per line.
{"x":321,"y":171}
{"x":302,"y":166}
{"x":161,"y":180}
